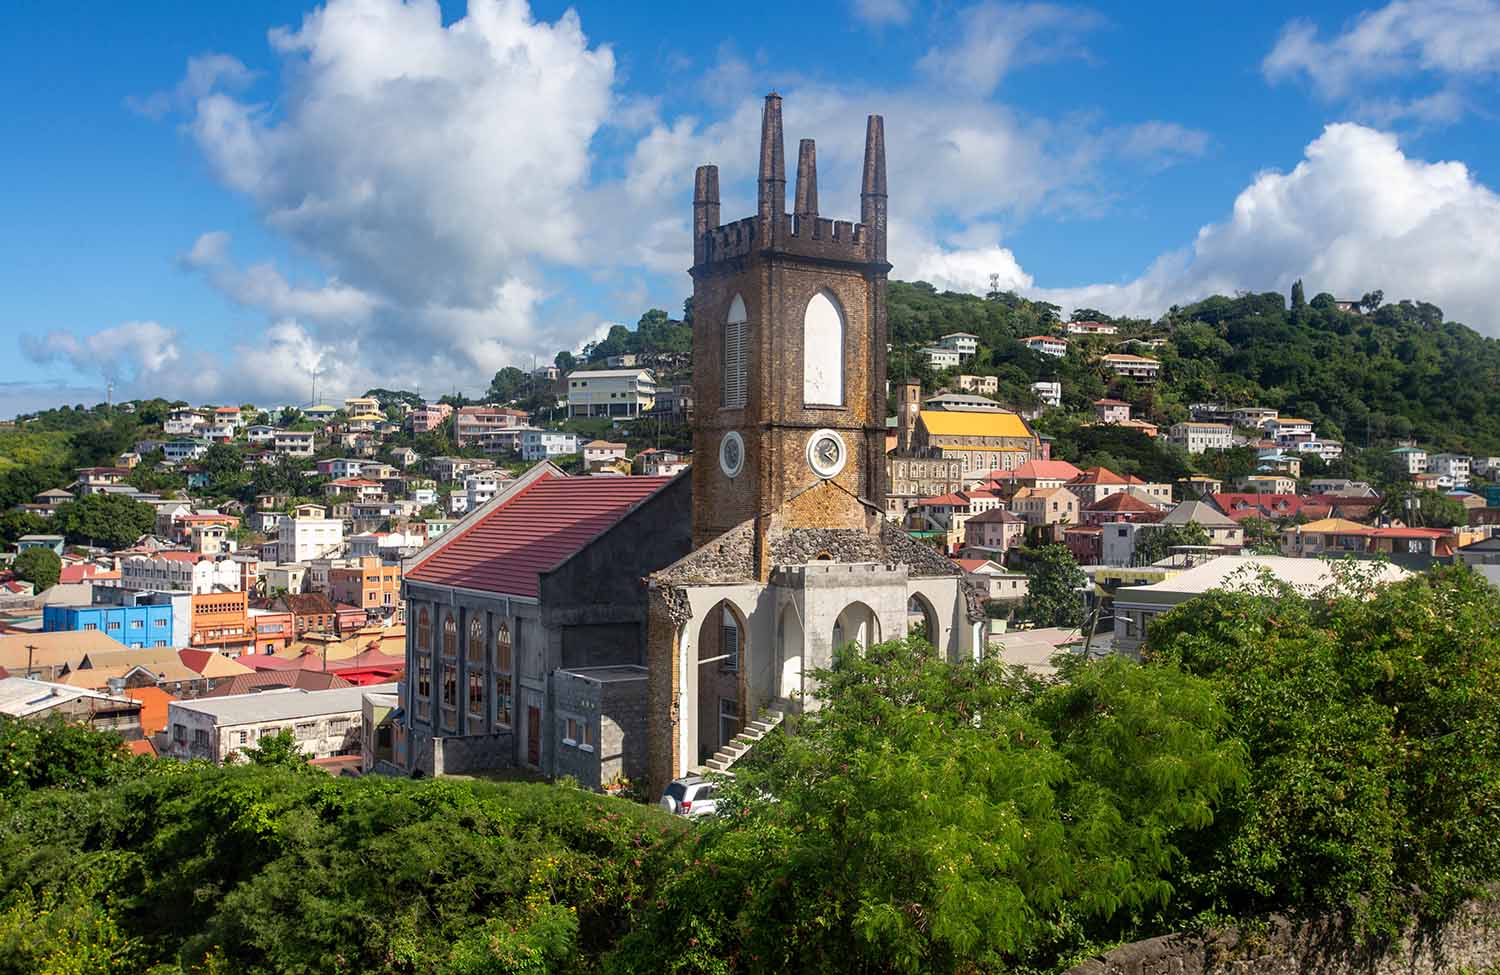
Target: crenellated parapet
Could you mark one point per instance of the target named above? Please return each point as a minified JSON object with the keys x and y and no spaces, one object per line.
{"x":801,"y":233}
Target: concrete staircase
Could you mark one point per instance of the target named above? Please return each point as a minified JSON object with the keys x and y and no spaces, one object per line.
{"x":739,"y":746}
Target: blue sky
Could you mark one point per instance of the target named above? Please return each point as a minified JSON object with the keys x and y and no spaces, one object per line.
{"x":218,"y":201}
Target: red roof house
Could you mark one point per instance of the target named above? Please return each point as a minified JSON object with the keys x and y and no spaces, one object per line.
{"x":508,"y":548}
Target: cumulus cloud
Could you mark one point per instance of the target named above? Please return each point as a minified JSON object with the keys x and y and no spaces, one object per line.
{"x":1453,"y":41}
{"x":444,"y":182}
{"x":1355,"y":214}
{"x":123,"y":352}
{"x":996,"y":38}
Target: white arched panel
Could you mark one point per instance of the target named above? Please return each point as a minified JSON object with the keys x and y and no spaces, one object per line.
{"x":823,"y":352}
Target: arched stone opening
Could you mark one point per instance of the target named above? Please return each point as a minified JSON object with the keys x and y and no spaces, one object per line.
{"x":921,"y":618}
{"x":789,"y":653}
{"x":722,"y":663}
{"x":857,"y":624}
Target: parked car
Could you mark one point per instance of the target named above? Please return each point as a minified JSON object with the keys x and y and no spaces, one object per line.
{"x":692,"y":797}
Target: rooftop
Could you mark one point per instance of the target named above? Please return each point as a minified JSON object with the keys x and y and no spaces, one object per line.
{"x":507,"y":548}
{"x":951,"y":423}
{"x":288,"y":704}
{"x":1242,"y":571}
{"x":21,"y":697}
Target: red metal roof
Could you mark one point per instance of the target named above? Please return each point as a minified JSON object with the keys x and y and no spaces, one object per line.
{"x":1122,"y":501}
{"x":510,"y":546}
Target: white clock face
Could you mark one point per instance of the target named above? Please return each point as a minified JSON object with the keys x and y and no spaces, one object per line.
{"x":826,"y":453}
{"x":732,"y":454}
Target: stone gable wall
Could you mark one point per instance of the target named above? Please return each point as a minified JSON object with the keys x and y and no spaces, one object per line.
{"x":1469,"y":943}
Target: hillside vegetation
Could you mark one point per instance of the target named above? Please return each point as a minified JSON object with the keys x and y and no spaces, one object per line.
{"x":1395,"y":372}
{"x":1273,"y":754}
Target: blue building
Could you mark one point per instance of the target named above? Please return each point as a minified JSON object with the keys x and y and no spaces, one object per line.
{"x":134,"y":626}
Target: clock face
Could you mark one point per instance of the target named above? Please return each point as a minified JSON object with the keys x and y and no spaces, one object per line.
{"x":732,"y":453}
{"x":826,"y":453}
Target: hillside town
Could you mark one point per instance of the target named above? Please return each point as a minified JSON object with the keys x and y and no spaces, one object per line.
{"x":323,"y":548}
{"x":836,"y":622}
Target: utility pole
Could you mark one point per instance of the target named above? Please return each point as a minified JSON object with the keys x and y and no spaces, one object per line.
{"x":30,"y":651}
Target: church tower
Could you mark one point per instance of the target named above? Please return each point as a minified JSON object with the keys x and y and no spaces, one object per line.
{"x":789,"y":344}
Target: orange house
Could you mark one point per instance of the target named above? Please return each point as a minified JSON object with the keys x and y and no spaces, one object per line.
{"x":221,"y":621}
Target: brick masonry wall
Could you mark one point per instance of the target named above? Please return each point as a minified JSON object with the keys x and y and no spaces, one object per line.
{"x":1470,"y":942}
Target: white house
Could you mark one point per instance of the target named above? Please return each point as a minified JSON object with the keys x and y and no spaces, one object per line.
{"x":602,"y":452}
{"x":1050,"y":394}
{"x":1090,"y":328}
{"x":610,"y":392}
{"x":940,"y":358}
{"x":1198,"y":437}
{"x":180,"y":451}
{"x":293,"y":443}
{"x":480,"y":487}
{"x":1138,"y":367}
{"x":260,"y":433}
{"x":309,"y":534}
{"x":1453,"y":470}
{"x":1286,"y":428}
{"x":180,"y":572}
{"x":1413,"y":459}
{"x":542,"y":444}
{"x":183,"y":423}
{"x":324,"y":723}
{"x":1046,"y":345}
{"x":964,"y":343}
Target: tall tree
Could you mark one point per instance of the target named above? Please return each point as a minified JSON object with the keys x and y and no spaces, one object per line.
{"x":39,"y":566}
{"x":1299,"y":297}
{"x":509,"y":384}
{"x":1053,"y":589}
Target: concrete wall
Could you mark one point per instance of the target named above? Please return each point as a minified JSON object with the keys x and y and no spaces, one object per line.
{"x":1468,"y":943}
{"x":615,"y":711}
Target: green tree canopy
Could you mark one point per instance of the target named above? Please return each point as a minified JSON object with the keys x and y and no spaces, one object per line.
{"x":111,"y":520}
{"x":39,"y":566}
{"x":1054,"y":581}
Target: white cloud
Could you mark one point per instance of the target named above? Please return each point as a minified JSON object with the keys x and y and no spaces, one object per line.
{"x":1455,"y":41}
{"x":205,"y":73}
{"x":1356,"y":214}
{"x":996,"y":38}
{"x":449,"y":183}
{"x":881,"y":12}
{"x":122,"y":352}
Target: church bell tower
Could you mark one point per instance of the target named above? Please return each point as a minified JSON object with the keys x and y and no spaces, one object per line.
{"x":789,"y":343}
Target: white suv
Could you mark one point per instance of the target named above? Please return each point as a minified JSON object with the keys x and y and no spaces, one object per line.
{"x":692,"y":797}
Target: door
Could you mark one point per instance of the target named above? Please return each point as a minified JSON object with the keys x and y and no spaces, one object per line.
{"x":534,"y":737}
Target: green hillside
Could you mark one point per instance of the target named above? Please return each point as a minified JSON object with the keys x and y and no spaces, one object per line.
{"x":1396,"y":372}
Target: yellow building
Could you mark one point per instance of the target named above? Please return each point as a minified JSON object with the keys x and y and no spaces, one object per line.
{"x":983,"y":440}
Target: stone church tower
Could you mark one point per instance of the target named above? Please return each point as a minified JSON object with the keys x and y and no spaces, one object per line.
{"x":789,"y":344}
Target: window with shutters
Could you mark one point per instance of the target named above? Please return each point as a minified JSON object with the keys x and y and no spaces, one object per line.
{"x":730,"y":641}
{"x":736,"y":334}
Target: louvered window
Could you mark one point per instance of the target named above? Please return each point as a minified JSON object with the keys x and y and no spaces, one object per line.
{"x":736,"y":329}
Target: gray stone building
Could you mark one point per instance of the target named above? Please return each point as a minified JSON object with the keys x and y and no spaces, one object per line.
{"x":536,"y":595}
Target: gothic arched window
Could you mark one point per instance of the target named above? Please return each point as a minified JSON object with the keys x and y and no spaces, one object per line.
{"x":823,"y":352}
{"x":475,"y":648}
{"x":450,"y":635}
{"x":736,"y":354}
{"x":424,"y":629}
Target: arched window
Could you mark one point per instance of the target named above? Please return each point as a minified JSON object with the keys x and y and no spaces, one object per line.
{"x":736,"y":336}
{"x":823,"y":352}
{"x":504,"y":661}
{"x":474,"y":650}
{"x":450,"y":635}
{"x":424,"y":629}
